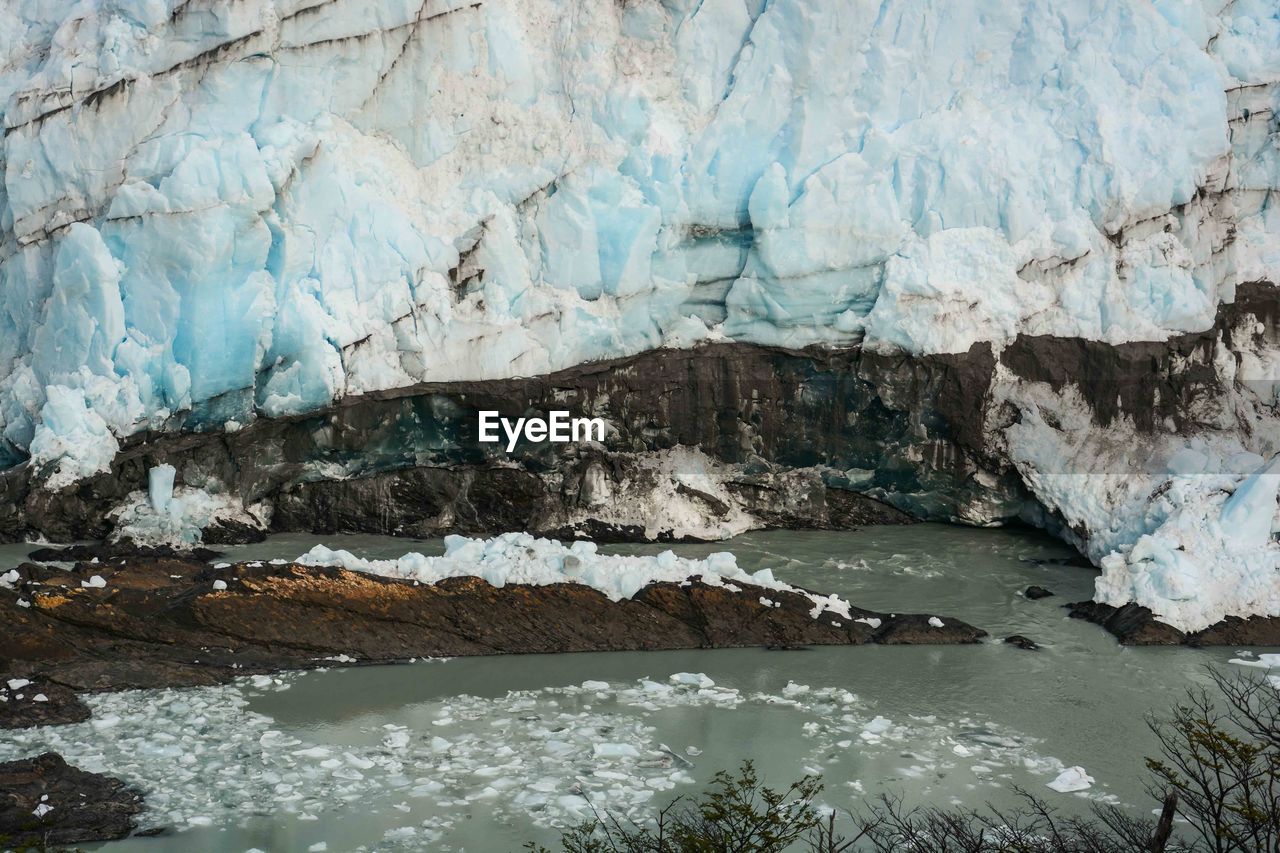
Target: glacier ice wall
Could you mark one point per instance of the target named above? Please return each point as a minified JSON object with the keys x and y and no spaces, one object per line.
{"x":216,"y":210}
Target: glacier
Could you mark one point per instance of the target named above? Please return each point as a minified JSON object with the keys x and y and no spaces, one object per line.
{"x":214,"y":212}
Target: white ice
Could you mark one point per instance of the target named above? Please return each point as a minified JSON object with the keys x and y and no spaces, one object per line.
{"x":519,"y":558}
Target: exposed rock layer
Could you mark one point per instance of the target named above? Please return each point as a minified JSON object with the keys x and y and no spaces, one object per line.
{"x":798,"y":439}
{"x":164,"y":622}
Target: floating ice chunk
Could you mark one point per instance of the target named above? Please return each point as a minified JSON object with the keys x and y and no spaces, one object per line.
{"x":595,"y":685}
{"x":695,"y":679}
{"x":396,"y":738}
{"x":1267,"y":661}
{"x":1070,"y":780}
{"x":313,"y":752}
{"x":615,"y":750}
{"x":105,"y":722}
{"x":878,"y":725}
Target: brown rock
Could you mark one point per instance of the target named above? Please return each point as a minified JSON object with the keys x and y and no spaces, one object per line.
{"x":161,"y":622}
{"x":914,"y":629}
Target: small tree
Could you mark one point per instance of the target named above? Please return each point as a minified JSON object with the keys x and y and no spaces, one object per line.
{"x":1224,"y":766}
{"x":737,"y":813}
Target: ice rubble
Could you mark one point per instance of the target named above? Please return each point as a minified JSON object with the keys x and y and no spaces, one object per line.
{"x":546,"y":756}
{"x":1184,"y":527}
{"x":165,"y":515}
{"x":519,"y":558}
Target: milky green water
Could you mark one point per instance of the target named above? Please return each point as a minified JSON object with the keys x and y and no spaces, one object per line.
{"x":935,"y":724}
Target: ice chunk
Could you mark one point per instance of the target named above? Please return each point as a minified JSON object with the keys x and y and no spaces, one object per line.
{"x":160,"y":487}
{"x":1070,"y":780}
{"x":615,"y":750}
{"x":694,"y":679}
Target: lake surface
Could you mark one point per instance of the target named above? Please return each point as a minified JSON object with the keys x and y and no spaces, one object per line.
{"x":484,"y":754}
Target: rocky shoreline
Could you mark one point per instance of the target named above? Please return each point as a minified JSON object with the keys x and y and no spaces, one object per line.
{"x":1134,"y":625}
{"x":46,"y":803}
{"x":150,"y":622}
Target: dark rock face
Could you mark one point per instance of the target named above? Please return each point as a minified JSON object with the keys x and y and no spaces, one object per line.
{"x":1022,"y":642}
{"x":77,"y":806}
{"x":1035,"y":593}
{"x":923,"y":630}
{"x":40,"y":702}
{"x":813,"y":439}
{"x":1137,"y":626}
{"x":1132,"y":625}
{"x":162,"y":622}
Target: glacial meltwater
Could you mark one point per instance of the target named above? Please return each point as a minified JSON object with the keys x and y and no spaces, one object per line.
{"x":485,"y":754}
